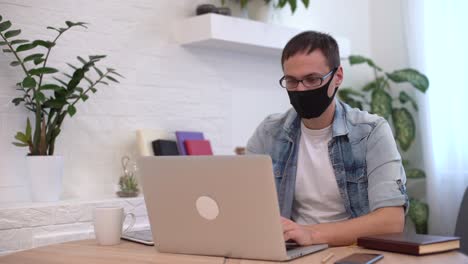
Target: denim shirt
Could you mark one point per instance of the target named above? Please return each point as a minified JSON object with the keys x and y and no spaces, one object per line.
{"x":363,"y":154}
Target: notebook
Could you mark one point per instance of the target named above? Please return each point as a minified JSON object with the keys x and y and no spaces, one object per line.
{"x":162,"y":147}
{"x":413,"y":244}
{"x":186,"y":135}
{"x":198,"y":147}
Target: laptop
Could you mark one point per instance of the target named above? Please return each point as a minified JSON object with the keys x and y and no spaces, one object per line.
{"x":217,"y":206}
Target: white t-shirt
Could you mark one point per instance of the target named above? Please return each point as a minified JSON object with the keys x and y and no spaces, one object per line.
{"x":317,"y":198}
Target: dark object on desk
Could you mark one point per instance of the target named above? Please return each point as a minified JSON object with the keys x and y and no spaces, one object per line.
{"x":206,"y":9}
{"x":412,"y":244}
{"x":360,"y":258}
{"x":163,"y":147}
{"x":142,"y":236}
{"x":198,"y":147}
{"x":461,"y":230}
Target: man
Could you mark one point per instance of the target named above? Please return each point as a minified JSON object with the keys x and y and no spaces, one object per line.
{"x":338,"y":172}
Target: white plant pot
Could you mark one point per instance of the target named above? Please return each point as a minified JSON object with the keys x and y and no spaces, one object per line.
{"x":258,"y":10}
{"x":45,"y":175}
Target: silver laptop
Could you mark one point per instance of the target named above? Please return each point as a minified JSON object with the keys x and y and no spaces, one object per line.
{"x":216,"y":205}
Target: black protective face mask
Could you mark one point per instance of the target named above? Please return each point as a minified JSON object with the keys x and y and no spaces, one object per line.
{"x":312,"y":103}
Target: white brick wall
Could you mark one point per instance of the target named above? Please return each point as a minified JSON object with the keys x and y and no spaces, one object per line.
{"x":27,"y":225}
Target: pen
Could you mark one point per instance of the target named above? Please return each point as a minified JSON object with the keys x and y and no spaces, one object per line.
{"x":328,"y":257}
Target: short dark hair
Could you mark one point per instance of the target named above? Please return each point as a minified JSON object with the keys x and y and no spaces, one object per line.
{"x":308,"y":41}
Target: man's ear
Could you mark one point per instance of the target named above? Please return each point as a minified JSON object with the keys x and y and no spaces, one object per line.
{"x":339,"y":76}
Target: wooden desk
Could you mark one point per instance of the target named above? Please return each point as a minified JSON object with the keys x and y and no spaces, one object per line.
{"x":87,"y":251}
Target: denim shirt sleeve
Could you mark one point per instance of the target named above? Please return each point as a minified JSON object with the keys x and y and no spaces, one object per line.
{"x":255,"y":145}
{"x":386,"y":176}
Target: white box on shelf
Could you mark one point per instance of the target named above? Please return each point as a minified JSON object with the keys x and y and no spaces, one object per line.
{"x":238,"y":34}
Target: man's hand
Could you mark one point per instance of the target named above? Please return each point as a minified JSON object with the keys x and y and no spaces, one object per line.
{"x":303,"y":235}
{"x":381,"y":221}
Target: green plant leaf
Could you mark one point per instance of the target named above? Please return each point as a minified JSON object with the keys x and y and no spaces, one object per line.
{"x":12,"y":33}
{"x":44,"y":43}
{"x":96,"y":57}
{"x":373,"y":85}
{"x":21,"y":137}
{"x":72,"y":66}
{"x":40,"y":97}
{"x":60,"y":81}
{"x":20,"y":144}
{"x":88,"y":80}
{"x":282,"y":3}
{"x":29,"y":82}
{"x":28,"y":128}
{"x":358,"y":59}
{"x":112,"y":79}
{"x":15,"y":63}
{"x":345,"y":95}
{"x":84,"y":97}
{"x":415,"y":174}
{"x":415,"y":78}
{"x":3,"y":43}
{"x":405,"y":163}
{"x":43,"y":70}
{"x":94,"y":90}
{"x":6,"y":50}
{"x":50,"y":87}
{"x":5,"y":25}
{"x":381,"y":103}
{"x":17,"y":101}
{"x":112,"y":71}
{"x":419,"y":213}
{"x":19,"y":41}
{"x":58,"y":30}
{"x":243,"y":3}
{"x":1,"y":18}
{"x":293,"y":5}
{"x":99,"y":72}
{"x":73,"y":24}
{"x":33,"y":57}
{"x":405,"y":128}
{"x":55,"y":103}
{"x":82,"y":60}
{"x":38,"y":61}
{"x":71,"y":110}
{"x":404,"y":97}
{"x":25,"y":47}
{"x":306,"y":3}
{"x":103,"y":82}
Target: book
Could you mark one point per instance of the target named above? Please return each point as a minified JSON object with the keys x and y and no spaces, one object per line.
{"x":145,"y":137}
{"x":181,"y":136}
{"x":162,"y":147}
{"x":413,"y":244}
{"x":198,"y":147}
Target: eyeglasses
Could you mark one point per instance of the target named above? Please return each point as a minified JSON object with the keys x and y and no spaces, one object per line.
{"x":310,"y":82}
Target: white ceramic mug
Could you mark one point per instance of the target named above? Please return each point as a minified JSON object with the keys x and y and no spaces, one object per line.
{"x":108,"y":224}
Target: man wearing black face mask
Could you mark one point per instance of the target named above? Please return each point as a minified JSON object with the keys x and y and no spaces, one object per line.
{"x":338,"y":172}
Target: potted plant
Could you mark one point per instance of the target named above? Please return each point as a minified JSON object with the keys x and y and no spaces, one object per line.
{"x":263,"y":10}
{"x":51,"y":97}
{"x":381,"y":96}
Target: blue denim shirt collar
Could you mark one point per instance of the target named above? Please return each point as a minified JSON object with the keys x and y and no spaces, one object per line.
{"x":339,"y":127}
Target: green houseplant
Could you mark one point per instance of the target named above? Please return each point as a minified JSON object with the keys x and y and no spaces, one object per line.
{"x":383,"y":97}
{"x":49,"y":94}
{"x":277,"y":3}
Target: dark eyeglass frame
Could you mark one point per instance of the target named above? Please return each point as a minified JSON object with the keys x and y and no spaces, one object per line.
{"x":302,"y":81}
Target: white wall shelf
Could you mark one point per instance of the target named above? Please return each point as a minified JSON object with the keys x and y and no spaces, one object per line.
{"x":238,"y":34}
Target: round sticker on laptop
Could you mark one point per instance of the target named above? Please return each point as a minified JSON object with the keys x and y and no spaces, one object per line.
{"x":207,"y":207}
